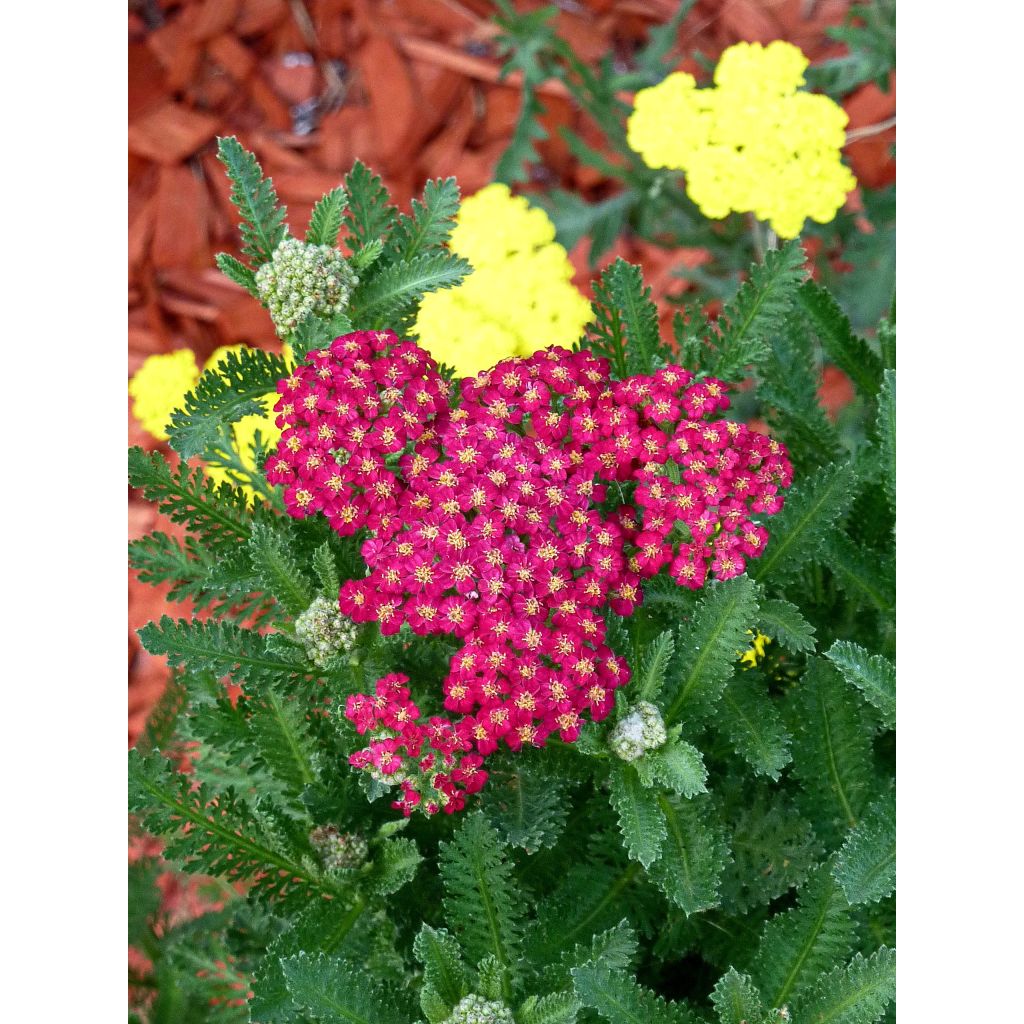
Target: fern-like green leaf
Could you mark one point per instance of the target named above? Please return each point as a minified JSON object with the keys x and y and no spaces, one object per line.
{"x":395,"y":864}
{"x":218,"y":516}
{"x":750,"y":720}
{"x":325,"y":220}
{"x":737,"y":1000}
{"x":369,"y":213}
{"x":482,"y":901}
{"x":237,"y":272}
{"x":326,"y":570}
{"x":620,"y":1000}
{"x":677,"y":765}
{"x":832,"y":754}
{"x":886,"y":430}
{"x":798,"y":945}
{"x":651,"y":677}
{"x":810,"y":513}
{"x":431,"y":222}
{"x":443,"y":968}
{"x":784,"y":623}
{"x":850,"y":353}
{"x":528,"y":807}
{"x":641,"y":820}
{"x":748,"y":321}
{"x":556,"y":1008}
{"x":392,"y":293}
{"x":866,"y":865}
{"x":707,"y":646}
{"x":215,"y":834}
{"x":626,"y":320}
{"x":872,"y":674}
{"x":163,"y":559}
{"x":277,"y":568}
{"x":225,"y":393}
{"x":693,"y":854}
{"x":312,"y":333}
{"x":335,"y":991}
{"x":864,"y":575}
{"x":219,"y":647}
{"x":263,"y":227}
{"x":856,"y":993}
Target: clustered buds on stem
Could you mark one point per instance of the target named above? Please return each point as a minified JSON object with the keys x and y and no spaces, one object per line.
{"x":338,"y":850}
{"x":303,"y":279}
{"x":641,"y":730}
{"x":324,"y":631}
{"x":509,"y":515}
{"x":475,"y":1009}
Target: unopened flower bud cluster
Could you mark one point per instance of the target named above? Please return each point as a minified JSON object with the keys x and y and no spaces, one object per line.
{"x":477,"y":1010}
{"x":324,"y":631}
{"x":304,"y":279}
{"x":641,"y":730}
{"x":338,"y":850}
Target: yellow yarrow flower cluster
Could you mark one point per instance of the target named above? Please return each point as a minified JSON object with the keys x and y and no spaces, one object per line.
{"x":519,"y":297}
{"x":160,"y":387}
{"x":752,"y":143}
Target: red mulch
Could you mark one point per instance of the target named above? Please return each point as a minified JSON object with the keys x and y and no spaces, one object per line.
{"x":411,"y":88}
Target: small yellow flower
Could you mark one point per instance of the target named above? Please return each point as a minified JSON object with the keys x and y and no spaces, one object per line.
{"x":751,"y":143}
{"x":160,"y":387}
{"x":754,"y":654}
{"x":519,"y":297}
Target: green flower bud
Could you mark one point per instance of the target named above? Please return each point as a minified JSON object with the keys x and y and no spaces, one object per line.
{"x":641,"y":730}
{"x":338,"y":849}
{"x":324,"y":631}
{"x":302,"y":279}
{"x":477,"y":1010}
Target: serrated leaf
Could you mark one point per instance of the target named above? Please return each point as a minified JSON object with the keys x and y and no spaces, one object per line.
{"x":312,"y":332}
{"x":556,"y":1008}
{"x":866,"y":865}
{"x":431,"y":222}
{"x":483,"y":904}
{"x":641,"y":820}
{"x":832,"y":754}
{"x":753,"y":725}
{"x":810,"y":513}
{"x":389,"y":295}
{"x":785,"y":623}
{"x":707,"y":646}
{"x":625,"y":325}
{"x":325,"y":220}
{"x":277,"y":568}
{"x":620,"y":1000}
{"x":759,"y":306}
{"x":527,"y":807}
{"x":678,"y":765}
{"x":886,"y":429}
{"x":441,"y":958}
{"x":237,"y":272}
{"x":798,"y":945}
{"x":263,"y":228}
{"x":857,"y":993}
{"x":224,"y":393}
{"x":651,"y":676}
{"x":849,"y":352}
{"x":326,"y":570}
{"x":337,"y":992}
{"x":737,"y":1000}
{"x":693,"y":854}
{"x":492,"y":978}
{"x":864,"y":575}
{"x":394,"y":865}
{"x":369,"y":213}
{"x":872,"y":674}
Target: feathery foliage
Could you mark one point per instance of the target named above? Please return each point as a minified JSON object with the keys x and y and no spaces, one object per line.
{"x":866,"y":865}
{"x":872,"y":674}
{"x":263,"y":227}
{"x":325,"y":220}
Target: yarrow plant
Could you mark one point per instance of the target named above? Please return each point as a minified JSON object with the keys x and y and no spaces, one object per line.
{"x":751,"y":143}
{"x":476,"y":718}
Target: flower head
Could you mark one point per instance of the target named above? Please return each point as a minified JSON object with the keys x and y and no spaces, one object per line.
{"x":641,"y":730}
{"x":160,"y":386}
{"x":474,"y":1009}
{"x":519,"y":297}
{"x":752,"y":142}
{"x":324,"y":631}
{"x":303,"y":279}
{"x":338,"y":850}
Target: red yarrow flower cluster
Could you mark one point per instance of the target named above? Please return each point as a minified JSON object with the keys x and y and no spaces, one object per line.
{"x":509,"y":512}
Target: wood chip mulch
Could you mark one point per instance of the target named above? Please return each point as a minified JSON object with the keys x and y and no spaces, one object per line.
{"x":410,"y":87}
